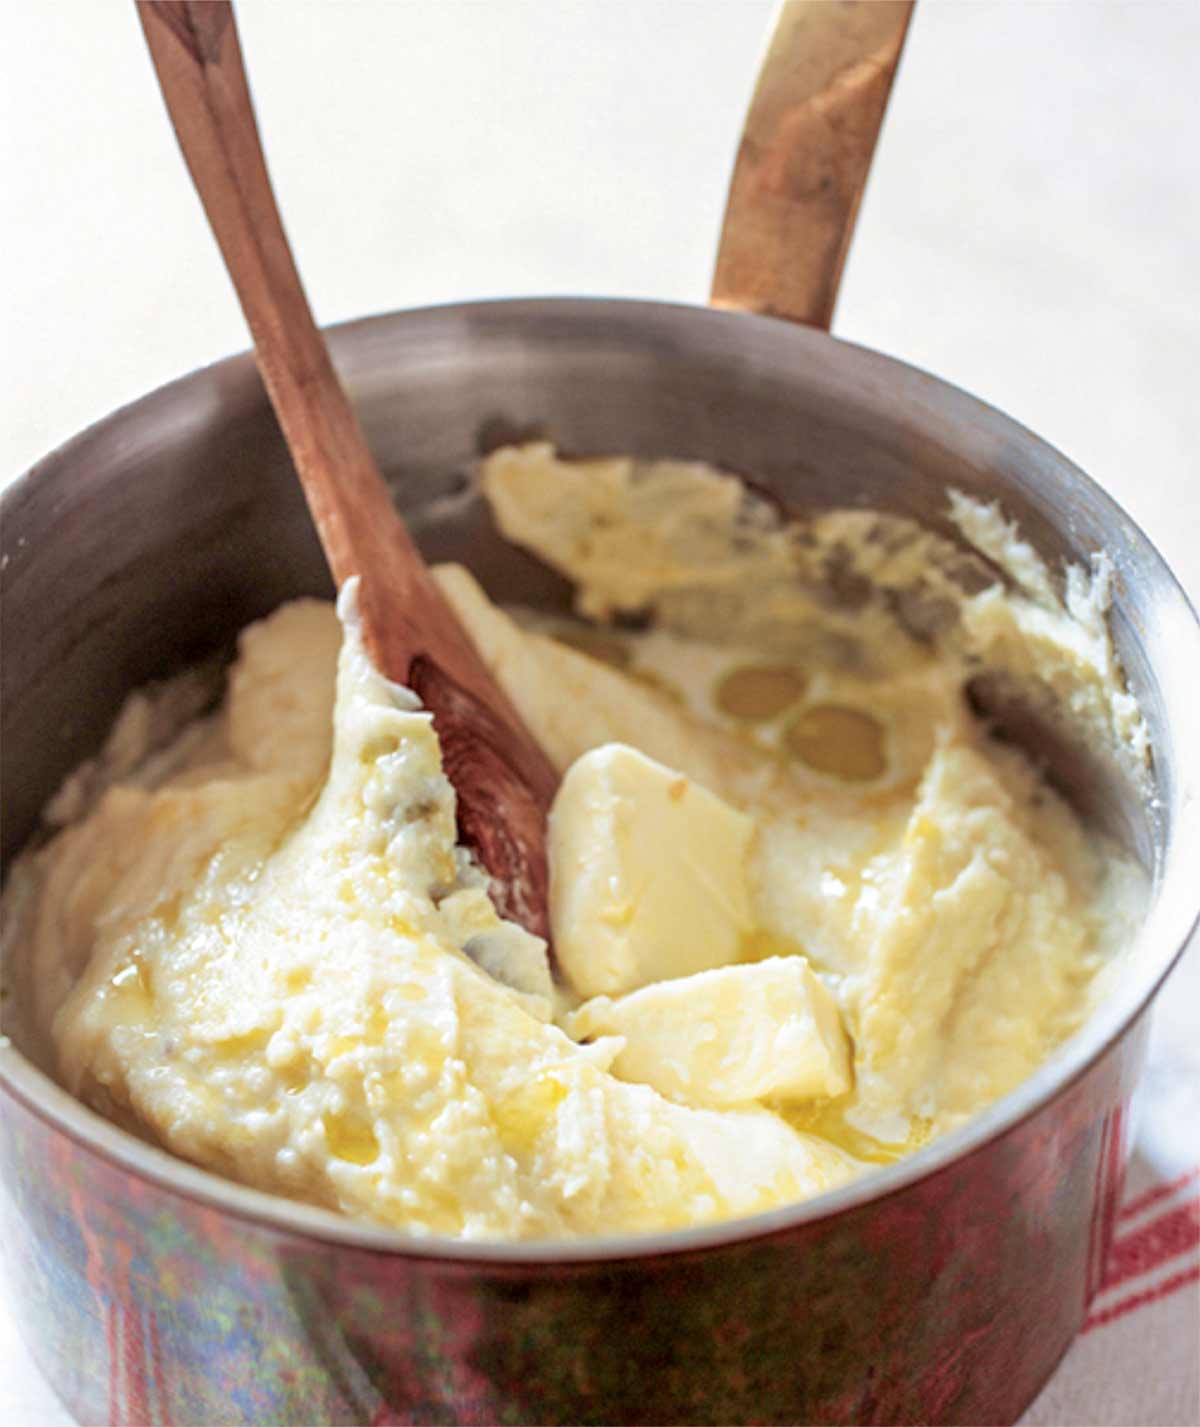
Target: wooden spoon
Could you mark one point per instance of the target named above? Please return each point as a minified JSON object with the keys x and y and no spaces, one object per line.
{"x":503,"y":780}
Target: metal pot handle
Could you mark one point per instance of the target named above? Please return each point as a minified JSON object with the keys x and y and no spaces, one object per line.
{"x":804,"y":156}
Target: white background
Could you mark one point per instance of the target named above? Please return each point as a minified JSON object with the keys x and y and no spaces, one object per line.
{"x":1031,"y":231}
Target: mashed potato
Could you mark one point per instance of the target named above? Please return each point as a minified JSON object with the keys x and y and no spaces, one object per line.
{"x":264,"y":950}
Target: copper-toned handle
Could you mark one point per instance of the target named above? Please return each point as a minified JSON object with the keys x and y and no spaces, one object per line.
{"x":805,"y":153}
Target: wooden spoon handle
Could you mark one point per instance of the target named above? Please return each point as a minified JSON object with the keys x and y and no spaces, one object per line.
{"x":503,"y":780}
{"x":805,"y":154}
{"x":198,"y":59}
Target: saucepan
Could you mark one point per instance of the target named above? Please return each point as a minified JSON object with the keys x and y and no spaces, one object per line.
{"x":943,"y":1288}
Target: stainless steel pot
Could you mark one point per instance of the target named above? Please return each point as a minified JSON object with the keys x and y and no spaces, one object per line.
{"x":941,"y":1289}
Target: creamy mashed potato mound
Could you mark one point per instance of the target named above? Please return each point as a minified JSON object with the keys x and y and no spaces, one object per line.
{"x":255,"y":940}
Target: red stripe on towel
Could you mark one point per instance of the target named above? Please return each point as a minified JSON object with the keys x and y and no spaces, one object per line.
{"x":1140,"y":1300}
{"x":1171,"y":1234}
{"x":1159,"y":1191}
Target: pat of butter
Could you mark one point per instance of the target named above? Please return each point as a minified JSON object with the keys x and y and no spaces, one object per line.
{"x":765,"y":1029}
{"x":647,"y":873}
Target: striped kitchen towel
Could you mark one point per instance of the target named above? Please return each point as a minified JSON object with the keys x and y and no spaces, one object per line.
{"x":1137,"y":1361}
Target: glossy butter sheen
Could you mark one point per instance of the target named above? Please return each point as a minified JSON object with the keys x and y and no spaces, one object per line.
{"x":647,"y":874}
{"x":727,"y":1036}
{"x":273,"y":980}
{"x":270,"y":955}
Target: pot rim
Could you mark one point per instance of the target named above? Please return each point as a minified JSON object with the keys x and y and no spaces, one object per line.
{"x":1168,"y":926}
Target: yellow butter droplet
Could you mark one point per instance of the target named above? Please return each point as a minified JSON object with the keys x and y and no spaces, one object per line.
{"x":827,"y":1120}
{"x":758,"y":692}
{"x":294,"y":1076}
{"x":375,"y":1031}
{"x":521,"y":1116}
{"x":243,"y":1045}
{"x":350,"y":1137}
{"x":759,"y":944}
{"x":135,"y":976}
{"x":844,"y":742}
